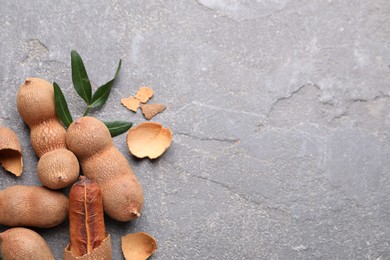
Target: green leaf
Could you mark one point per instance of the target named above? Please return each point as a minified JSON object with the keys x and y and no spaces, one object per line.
{"x":80,"y":78}
{"x":101,"y":95}
{"x":62,"y":109}
{"x":118,"y":127}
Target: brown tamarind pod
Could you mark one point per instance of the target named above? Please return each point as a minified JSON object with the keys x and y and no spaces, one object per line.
{"x":57,"y":167}
{"x":33,"y":206}
{"x":22,"y":243}
{"x":86,"y":222}
{"x":35,"y":103}
{"x":90,"y":140}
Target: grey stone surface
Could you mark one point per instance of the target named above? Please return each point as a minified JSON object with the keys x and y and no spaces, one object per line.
{"x":279,"y":110}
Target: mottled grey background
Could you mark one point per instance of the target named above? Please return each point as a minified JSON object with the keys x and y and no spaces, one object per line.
{"x":279,"y":110}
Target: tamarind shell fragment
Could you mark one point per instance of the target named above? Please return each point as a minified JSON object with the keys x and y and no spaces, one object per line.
{"x":10,"y":151}
{"x":103,"y":252}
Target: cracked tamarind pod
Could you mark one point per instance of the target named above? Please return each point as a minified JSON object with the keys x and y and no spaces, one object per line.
{"x":57,"y":167}
{"x":88,"y":238}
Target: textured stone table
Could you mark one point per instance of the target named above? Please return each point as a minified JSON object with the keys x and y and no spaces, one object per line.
{"x":279,"y":109}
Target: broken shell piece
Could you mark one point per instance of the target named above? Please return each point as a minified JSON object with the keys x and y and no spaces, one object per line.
{"x":144,"y":94}
{"x":131,"y":103}
{"x":104,"y":251}
{"x":138,"y":246}
{"x":150,"y":110}
{"x":10,"y":151}
{"x":148,"y":139}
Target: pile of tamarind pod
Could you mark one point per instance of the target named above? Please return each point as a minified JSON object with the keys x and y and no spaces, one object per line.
{"x":108,"y":183}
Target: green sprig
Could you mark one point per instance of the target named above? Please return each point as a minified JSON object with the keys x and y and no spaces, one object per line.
{"x":82,"y":85}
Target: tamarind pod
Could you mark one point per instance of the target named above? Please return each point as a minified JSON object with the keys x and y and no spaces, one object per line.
{"x":86,"y":218}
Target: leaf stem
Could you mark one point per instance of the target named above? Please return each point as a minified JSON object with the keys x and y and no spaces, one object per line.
{"x":87,"y":110}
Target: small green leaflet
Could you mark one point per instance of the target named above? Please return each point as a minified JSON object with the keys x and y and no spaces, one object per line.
{"x":80,"y":77}
{"x":62,"y":109}
{"x":101,"y":95}
{"x":118,"y":127}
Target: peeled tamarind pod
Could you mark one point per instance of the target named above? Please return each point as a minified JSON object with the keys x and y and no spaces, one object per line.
{"x":36,"y":106}
{"x":22,"y":244}
{"x":90,"y":140}
{"x":88,"y":238}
